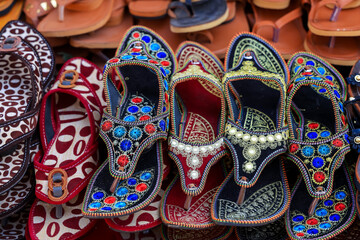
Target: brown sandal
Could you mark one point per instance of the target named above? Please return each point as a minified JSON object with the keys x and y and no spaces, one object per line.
{"x":148,"y":8}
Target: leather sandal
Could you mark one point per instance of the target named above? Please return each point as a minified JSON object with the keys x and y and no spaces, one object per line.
{"x":133,"y":127}
{"x":149,"y":9}
{"x":318,"y":138}
{"x":343,"y":51}
{"x":194,"y":16}
{"x":334,"y":18}
{"x":215,"y":233}
{"x":282,"y":28}
{"x":255,"y":134}
{"x":331,"y":216}
{"x":35,"y":9}
{"x":272,"y":4}
{"x":10,"y":10}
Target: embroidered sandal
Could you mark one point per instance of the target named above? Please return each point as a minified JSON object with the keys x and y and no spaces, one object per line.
{"x":256,"y":133}
{"x":133,"y":126}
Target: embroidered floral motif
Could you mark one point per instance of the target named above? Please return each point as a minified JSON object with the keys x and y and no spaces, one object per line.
{"x":354,"y":139}
{"x":353,"y":79}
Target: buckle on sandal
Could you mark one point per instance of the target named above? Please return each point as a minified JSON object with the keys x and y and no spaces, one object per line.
{"x":10,"y":44}
{"x":57,"y":183}
{"x":68,"y":79}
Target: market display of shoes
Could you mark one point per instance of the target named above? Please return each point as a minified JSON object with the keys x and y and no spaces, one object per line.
{"x":179,"y":119}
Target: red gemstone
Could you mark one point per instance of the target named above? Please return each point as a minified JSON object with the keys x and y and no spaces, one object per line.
{"x":300,"y":60}
{"x":123,"y":160}
{"x":343,"y":120}
{"x":144,"y":118}
{"x":307,"y":73}
{"x":338,"y":143}
{"x":312,"y":221}
{"x":313,"y":125}
{"x":290,"y":87}
{"x":300,"y":234}
{"x":340,"y":207}
{"x":92,"y":209}
{"x":166,"y":98}
{"x":136,"y":34}
{"x":165,"y":63}
{"x":106,"y":126}
{"x":136,"y":49}
{"x":293,"y":147}
{"x":150,"y":128}
{"x":329,"y":82}
{"x":114,"y":60}
{"x":136,"y":100}
{"x":319,"y":177}
{"x":109,"y":200}
{"x":141,"y":187}
{"x":153,"y":61}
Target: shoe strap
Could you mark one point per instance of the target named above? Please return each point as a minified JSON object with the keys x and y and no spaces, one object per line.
{"x":126,"y":141}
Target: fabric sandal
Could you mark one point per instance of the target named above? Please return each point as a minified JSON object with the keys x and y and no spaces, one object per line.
{"x":22,"y":92}
{"x":343,"y":51}
{"x":214,"y":233}
{"x":318,"y":128}
{"x":70,"y":116}
{"x":148,"y":9}
{"x":331,"y":216}
{"x":194,"y":16}
{"x":283,"y":28}
{"x":334,"y":18}
{"x":133,"y":126}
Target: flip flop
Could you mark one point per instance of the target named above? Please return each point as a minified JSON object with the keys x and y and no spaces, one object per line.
{"x":215,"y":233}
{"x":318,"y":130}
{"x":35,"y":9}
{"x":148,"y":9}
{"x":334,"y":18}
{"x":282,"y":28}
{"x":343,"y":51}
{"x":10,"y":10}
{"x":331,"y":216}
{"x":272,"y":4}
{"x":70,"y":116}
{"x":133,"y":126}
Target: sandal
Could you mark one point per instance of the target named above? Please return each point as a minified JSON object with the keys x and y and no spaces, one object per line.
{"x":70,"y":115}
{"x":318,"y":138}
{"x":35,"y":9}
{"x":133,"y":126}
{"x":255,"y":133}
{"x":331,"y":216}
{"x":21,"y":104}
{"x":272,"y":4}
{"x":283,"y":28}
{"x":149,"y":9}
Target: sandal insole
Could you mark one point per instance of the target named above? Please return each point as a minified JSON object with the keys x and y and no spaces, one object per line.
{"x":72,"y":128}
{"x":15,"y":88}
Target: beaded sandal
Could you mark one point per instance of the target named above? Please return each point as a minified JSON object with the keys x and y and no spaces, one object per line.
{"x":331,"y":216}
{"x":132,"y":125}
{"x":318,"y":137}
{"x":195,"y":140}
{"x":256,"y":133}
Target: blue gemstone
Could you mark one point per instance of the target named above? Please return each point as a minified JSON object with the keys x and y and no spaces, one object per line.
{"x":322,"y":212}
{"x":334,"y":217}
{"x":135,"y":133}
{"x":141,"y":57}
{"x":163,"y":71}
{"x":155,"y":47}
{"x":126,"y":57}
{"x":146,"y":109}
{"x":316,"y":78}
{"x":298,"y":218}
{"x":337,"y":94}
{"x":325,"y":225}
{"x":120,"y":205}
{"x":299,"y":228}
{"x":95,"y":205}
{"x":312,"y":135}
{"x":347,"y":138}
{"x":322,"y":90}
{"x":341,"y":195}
{"x":133,"y":109}
{"x":325,"y":134}
{"x":162,"y":125}
{"x":125,"y":145}
{"x":328,"y":203}
{"x":299,"y":79}
{"x":329,"y":77}
{"x":321,"y":70}
{"x":311,"y":63}
{"x":161,"y":54}
{"x":164,"y":109}
{"x":132,"y":181}
{"x":119,"y":132}
{"x":135,"y":54}
{"x":308,"y":151}
{"x":98,"y":195}
{"x":106,"y":208}
{"x":341,"y":106}
{"x":166,"y":85}
{"x":145,"y":176}
{"x":167,"y":71}
{"x":146,"y":39}
{"x":296,"y":68}
{"x":133,"y":197}
{"x":121,"y":191}
{"x":312,"y":231}
{"x":318,"y":162}
{"x":324,"y":149}
{"x":129,"y":118}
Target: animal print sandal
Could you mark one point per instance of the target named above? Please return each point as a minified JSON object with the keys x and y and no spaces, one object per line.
{"x":24,"y":76}
{"x":70,"y":117}
{"x":318,"y":138}
{"x":133,"y":126}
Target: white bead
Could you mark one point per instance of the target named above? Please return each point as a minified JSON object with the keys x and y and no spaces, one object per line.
{"x":253,"y":139}
{"x":251,"y":151}
{"x":188,"y":148}
{"x":181,"y":146}
{"x":194,"y":174}
{"x":203,"y":149}
{"x":262,"y":139}
{"x":210,"y":148}
{"x":196,"y":149}
{"x":357,"y":78}
{"x":174,"y":143}
{"x":239,"y":134}
{"x":270,"y":138}
{"x":246,"y":137}
{"x":217,"y":145}
{"x":249,"y":166}
{"x":278,"y":136}
{"x":194,"y":160}
{"x":232,"y":131}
